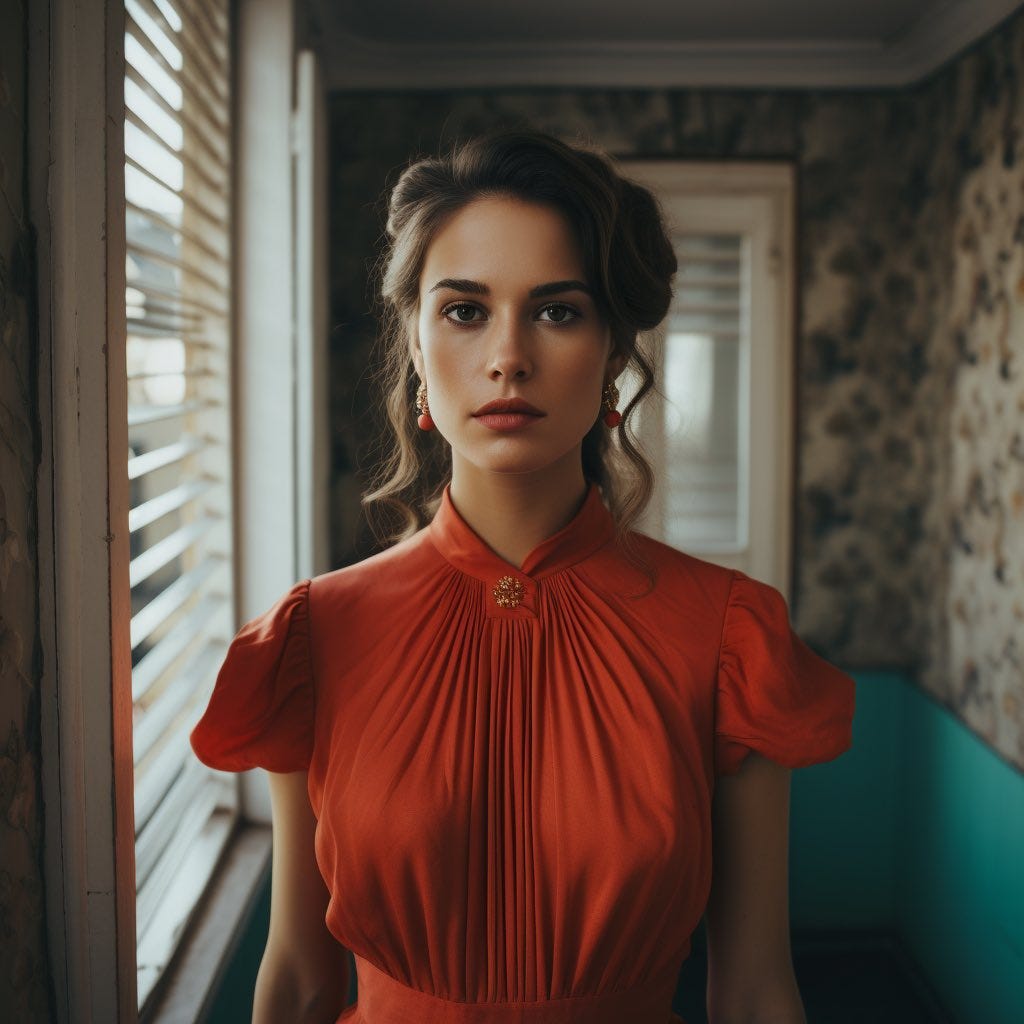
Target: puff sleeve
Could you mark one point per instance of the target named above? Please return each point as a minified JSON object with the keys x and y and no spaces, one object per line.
{"x":261,"y":711}
{"x":774,"y":694}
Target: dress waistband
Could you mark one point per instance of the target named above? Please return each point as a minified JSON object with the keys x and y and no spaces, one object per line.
{"x":384,"y":1000}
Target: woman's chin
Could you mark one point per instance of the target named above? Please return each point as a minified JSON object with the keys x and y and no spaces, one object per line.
{"x":510,"y":465}
{"x":513,"y":459}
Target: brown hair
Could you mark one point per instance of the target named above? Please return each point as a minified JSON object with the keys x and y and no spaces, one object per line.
{"x":630,"y":263}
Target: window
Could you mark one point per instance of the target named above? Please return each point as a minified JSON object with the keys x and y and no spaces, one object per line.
{"x":177,"y":178}
{"x":719,"y":432}
{"x":149,"y":563}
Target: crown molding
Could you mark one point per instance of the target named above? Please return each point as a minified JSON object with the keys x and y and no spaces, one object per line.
{"x":355,"y":62}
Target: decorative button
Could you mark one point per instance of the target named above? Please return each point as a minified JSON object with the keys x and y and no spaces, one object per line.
{"x":508,"y":592}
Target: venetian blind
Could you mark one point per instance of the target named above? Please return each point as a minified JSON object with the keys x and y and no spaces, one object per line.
{"x":178,"y":302}
{"x":706,"y":394}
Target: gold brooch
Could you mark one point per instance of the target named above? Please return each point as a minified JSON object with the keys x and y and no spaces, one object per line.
{"x":508,"y":592}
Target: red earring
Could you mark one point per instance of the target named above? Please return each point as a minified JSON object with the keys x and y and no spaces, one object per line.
{"x":423,"y":420}
{"x":610,"y":398}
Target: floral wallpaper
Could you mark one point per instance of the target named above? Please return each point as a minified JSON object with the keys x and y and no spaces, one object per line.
{"x":24,"y":971}
{"x":975,"y":662}
{"x":910,"y":408}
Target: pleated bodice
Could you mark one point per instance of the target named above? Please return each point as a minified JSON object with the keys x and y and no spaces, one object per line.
{"x":512,"y":768}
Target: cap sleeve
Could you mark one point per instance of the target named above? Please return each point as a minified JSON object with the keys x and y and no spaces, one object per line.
{"x":774,"y":694}
{"x":261,"y":712}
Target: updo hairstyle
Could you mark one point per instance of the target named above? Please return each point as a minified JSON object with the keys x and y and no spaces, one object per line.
{"x":629,"y":261}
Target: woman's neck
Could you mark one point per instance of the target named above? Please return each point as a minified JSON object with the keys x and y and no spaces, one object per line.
{"x":515,"y":512}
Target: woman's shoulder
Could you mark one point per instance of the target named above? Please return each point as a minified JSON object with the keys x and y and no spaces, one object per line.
{"x":667,"y":554}
{"x":675,"y":569}
{"x":385,"y":577}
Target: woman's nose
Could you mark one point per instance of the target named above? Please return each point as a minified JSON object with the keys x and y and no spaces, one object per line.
{"x":510,"y":355}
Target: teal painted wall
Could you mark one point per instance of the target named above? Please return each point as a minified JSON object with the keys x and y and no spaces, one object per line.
{"x":918,"y":828}
{"x":844,"y":819}
{"x":960,"y":865}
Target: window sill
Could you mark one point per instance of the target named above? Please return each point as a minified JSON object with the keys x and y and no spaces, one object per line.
{"x":190,"y":984}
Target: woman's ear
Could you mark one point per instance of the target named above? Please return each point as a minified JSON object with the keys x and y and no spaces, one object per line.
{"x":416,"y":354}
{"x":616,"y":364}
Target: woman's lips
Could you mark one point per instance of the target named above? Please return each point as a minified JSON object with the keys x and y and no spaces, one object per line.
{"x":507,"y":414}
{"x":506,"y":421}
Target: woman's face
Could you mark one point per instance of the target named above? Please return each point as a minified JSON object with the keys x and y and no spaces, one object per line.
{"x":505,"y":311}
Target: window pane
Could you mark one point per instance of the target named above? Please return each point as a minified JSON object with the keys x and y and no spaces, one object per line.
{"x":702,"y":382}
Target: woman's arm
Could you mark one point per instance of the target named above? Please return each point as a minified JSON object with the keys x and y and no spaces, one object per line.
{"x":750,"y":967}
{"x":303,"y":977}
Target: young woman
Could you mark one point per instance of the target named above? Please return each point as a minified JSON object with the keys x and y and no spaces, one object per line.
{"x":519,"y":754}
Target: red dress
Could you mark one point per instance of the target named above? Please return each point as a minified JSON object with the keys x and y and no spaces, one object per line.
{"x":513,"y":796}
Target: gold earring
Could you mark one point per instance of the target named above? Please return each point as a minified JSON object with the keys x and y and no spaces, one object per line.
{"x":423,"y":420}
{"x":610,"y":398}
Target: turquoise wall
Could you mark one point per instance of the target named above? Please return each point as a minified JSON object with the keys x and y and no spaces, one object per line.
{"x":960,"y":865}
{"x":918,"y":828}
{"x":844,"y":820}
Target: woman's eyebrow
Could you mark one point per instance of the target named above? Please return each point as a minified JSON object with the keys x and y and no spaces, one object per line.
{"x":460,"y":284}
{"x":557,"y":287}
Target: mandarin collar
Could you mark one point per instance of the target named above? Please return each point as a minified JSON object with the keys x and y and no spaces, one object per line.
{"x":590,"y":529}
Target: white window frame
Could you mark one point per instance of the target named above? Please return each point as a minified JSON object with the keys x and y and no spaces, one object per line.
{"x":756,"y":200}
{"x":76,"y":167}
{"x":83,"y":551}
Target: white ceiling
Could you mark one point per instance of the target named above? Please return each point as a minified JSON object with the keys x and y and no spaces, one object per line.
{"x":380,"y":44}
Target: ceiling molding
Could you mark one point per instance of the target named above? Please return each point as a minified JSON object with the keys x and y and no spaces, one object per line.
{"x":354,"y":62}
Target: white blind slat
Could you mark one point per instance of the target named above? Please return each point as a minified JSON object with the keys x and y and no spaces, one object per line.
{"x":139,"y":330}
{"x":160,"y":458}
{"x":178,"y":175}
{"x":216,"y":215}
{"x":158,"y":770}
{"x":210,"y":175}
{"x":155,"y":614}
{"x":212,"y":240}
{"x":169,"y":920}
{"x":165,"y":551}
{"x":198,"y":805}
{"x":154,"y":837}
{"x":188,"y":304}
{"x":697,"y":308}
{"x":140,"y":415}
{"x":196,"y":680}
{"x":188,"y":79}
{"x":189,"y":627}
{"x":689,"y":253}
{"x":203,"y":134}
{"x":201,"y":271}
{"x":170,"y":501}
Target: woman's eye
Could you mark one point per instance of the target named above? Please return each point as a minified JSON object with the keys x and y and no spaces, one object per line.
{"x":460,"y":312}
{"x":559,"y":314}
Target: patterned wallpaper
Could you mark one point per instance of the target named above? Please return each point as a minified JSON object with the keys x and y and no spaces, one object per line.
{"x":975,"y":661}
{"x":910,"y":442}
{"x":24,"y":971}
